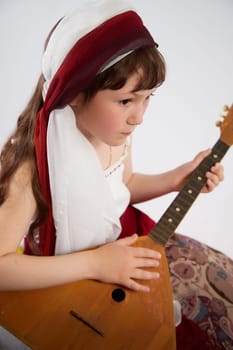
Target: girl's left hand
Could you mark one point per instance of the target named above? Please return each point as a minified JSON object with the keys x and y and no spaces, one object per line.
{"x":214,"y":176}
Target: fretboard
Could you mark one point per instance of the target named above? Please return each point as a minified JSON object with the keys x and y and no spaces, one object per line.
{"x":172,"y":217}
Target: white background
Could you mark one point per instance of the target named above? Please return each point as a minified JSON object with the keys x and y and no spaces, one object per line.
{"x":196,"y":38}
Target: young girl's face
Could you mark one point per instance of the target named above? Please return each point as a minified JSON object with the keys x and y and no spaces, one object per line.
{"x":112,"y":115}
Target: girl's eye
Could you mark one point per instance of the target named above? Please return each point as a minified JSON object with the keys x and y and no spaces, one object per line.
{"x":125,"y":102}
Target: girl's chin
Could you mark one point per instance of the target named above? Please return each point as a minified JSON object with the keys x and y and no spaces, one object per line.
{"x":120,"y":141}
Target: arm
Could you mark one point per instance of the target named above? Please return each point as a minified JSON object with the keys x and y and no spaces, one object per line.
{"x":19,"y":271}
{"x":145,"y":187}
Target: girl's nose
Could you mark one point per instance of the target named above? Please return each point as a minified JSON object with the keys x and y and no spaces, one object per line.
{"x":136,"y":117}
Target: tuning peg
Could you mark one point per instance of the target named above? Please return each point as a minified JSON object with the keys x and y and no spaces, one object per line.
{"x":225,"y":110}
{"x":222,"y":115}
{"x":218,"y":123}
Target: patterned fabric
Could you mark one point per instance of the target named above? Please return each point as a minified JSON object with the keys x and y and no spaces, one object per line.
{"x":202,"y":280}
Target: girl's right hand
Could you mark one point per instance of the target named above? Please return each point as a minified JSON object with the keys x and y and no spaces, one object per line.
{"x":120,"y":263}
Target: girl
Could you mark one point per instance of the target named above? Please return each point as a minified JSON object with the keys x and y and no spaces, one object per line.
{"x":66,"y":174}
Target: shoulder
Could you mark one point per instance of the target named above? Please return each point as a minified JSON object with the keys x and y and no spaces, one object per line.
{"x":18,"y":209}
{"x":20,"y":195}
{"x":21,"y":179}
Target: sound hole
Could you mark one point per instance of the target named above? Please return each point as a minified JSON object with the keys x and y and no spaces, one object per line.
{"x":118,"y":295}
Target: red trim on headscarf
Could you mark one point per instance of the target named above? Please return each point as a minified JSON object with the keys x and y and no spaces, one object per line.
{"x":118,"y":35}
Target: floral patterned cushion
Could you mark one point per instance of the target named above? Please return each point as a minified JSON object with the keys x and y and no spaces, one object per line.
{"x":202,"y":280}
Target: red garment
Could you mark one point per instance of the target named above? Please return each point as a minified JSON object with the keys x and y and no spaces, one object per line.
{"x":189,"y":336}
{"x":135,"y":221}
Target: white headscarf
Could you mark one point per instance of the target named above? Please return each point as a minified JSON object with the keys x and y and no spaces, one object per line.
{"x":84,"y":210}
{"x":73,"y":27}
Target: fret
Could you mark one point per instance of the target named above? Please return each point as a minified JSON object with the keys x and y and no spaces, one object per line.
{"x":168,"y":224}
{"x":175,"y":213}
{"x":158,"y":235}
{"x":181,"y":203}
{"x":172,"y":217}
{"x":188,"y":194}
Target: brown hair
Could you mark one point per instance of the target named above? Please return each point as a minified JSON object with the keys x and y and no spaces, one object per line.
{"x":149,"y":60}
{"x":20,"y":146}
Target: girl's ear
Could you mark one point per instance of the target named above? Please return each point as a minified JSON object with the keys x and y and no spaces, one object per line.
{"x":77,"y":102}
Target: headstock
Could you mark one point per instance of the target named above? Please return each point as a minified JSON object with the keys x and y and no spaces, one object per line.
{"x":226,"y":125}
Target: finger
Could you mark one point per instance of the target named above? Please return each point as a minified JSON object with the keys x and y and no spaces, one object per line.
{"x":209,"y":187}
{"x":140,"y":252}
{"x":128,"y":240}
{"x":218,"y":170}
{"x":133,"y":285}
{"x":141,"y":274}
{"x":212,"y":179}
{"x":145,"y":262}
